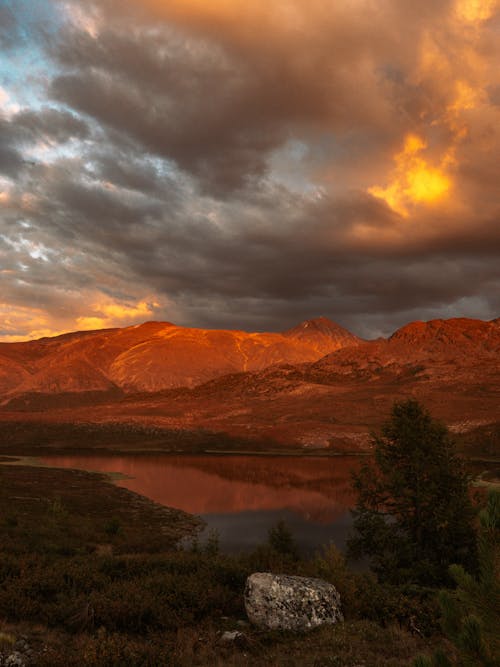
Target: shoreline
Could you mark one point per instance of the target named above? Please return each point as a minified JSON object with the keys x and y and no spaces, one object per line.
{"x":34,"y":452}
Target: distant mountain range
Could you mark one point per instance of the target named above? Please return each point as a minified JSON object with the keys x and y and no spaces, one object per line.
{"x":316,"y":385}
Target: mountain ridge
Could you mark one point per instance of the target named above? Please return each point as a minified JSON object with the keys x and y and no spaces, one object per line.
{"x":263,"y":388}
{"x":155,"y":355}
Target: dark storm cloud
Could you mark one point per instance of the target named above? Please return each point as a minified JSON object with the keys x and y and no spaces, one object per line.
{"x":211,"y":165}
{"x":127,"y":170}
{"x":11,"y":160}
{"x":9,"y":28}
{"x":243,"y":276}
{"x":218,"y":103}
{"x":48,"y":124}
{"x":283,"y":271}
{"x":178,"y":105}
{"x":27,"y":128}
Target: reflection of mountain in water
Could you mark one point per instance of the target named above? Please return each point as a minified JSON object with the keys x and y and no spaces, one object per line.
{"x":318,"y":489}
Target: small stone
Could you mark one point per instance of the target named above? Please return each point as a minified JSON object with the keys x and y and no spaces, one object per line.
{"x":15,"y":660}
{"x":230,"y":637}
{"x":282,"y":602}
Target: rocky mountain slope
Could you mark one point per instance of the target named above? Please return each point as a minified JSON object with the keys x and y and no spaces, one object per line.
{"x":174,"y":385}
{"x":454,"y":350}
{"x":155,"y":356}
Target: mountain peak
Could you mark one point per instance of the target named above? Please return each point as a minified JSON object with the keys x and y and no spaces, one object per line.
{"x":321,"y":328}
{"x":157,"y":355}
{"x":320,"y":322}
{"x":450,"y":332}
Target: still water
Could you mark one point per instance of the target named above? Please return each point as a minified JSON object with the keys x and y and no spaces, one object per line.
{"x":241,"y":497}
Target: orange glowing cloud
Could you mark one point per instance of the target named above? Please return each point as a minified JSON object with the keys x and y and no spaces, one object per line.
{"x":476,"y":11}
{"x":110,"y":314}
{"x":248,"y":24}
{"x":34,"y":321}
{"x":216,"y":12}
{"x":415,"y":180}
{"x":203,"y":7}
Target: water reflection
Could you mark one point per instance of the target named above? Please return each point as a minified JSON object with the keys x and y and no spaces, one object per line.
{"x":241,"y":496}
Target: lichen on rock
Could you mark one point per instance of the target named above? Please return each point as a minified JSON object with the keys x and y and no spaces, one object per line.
{"x":282,"y":602}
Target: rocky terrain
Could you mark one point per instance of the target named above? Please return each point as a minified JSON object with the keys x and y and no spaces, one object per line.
{"x":155,"y":356}
{"x":315,"y":386}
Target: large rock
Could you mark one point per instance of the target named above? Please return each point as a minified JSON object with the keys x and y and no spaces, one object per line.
{"x":281,"y":602}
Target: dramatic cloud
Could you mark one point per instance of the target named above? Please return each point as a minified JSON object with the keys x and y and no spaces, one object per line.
{"x":249,"y":164}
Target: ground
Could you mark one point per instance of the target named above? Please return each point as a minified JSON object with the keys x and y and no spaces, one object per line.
{"x":91,"y":576}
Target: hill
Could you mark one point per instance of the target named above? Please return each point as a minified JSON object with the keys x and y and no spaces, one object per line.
{"x":155,"y":356}
{"x":315,"y":386}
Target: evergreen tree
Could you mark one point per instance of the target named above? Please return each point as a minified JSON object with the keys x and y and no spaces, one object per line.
{"x":471,"y":613}
{"x":413,"y":516}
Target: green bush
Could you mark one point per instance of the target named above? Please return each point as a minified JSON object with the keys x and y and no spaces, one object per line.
{"x":280,"y":539}
{"x":471,"y":613}
{"x":112,"y":527}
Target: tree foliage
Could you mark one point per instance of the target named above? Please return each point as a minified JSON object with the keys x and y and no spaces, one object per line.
{"x":281,"y":540}
{"x":471,"y":613}
{"x":413,"y":516}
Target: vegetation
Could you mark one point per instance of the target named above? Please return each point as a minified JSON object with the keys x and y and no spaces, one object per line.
{"x":413,"y":516}
{"x":281,"y":540}
{"x":471,"y":613}
{"x":91,"y":575}
{"x":38,"y":437}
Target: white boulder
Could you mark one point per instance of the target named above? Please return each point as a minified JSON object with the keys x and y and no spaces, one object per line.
{"x":282,"y":602}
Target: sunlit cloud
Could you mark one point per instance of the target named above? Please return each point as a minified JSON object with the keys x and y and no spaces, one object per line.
{"x":415,"y":180}
{"x":85,"y":18}
{"x":476,"y":11}
{"x":422,"y":176}
{"x":18,"y":323}
{"x":112,"y":314}
{"x":8,"y":107}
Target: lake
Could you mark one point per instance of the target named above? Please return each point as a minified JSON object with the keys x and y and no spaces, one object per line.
{"x":241,"y":497}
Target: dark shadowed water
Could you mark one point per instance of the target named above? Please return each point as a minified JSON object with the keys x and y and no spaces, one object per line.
{"x":242,"y":497}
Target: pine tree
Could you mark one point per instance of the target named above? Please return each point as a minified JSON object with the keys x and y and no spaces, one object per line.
{"x":471,"y":613}
{"x":413,"y":516}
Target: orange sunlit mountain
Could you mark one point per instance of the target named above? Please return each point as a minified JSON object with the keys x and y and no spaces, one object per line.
{"x":155,"y":356}
{"x":315,"y":385}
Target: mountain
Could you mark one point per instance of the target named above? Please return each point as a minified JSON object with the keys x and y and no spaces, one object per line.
{"x":454,"y":350}
{"x":155,"y":356}
{"x":314,"y":386}
{"x":321,"y":333}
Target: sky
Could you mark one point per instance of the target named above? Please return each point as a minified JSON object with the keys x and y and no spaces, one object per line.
{"x":248,"y":164}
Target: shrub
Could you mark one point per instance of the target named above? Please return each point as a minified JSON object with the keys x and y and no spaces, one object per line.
{"x":280,"y":539}
{"x":112,"y":527}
